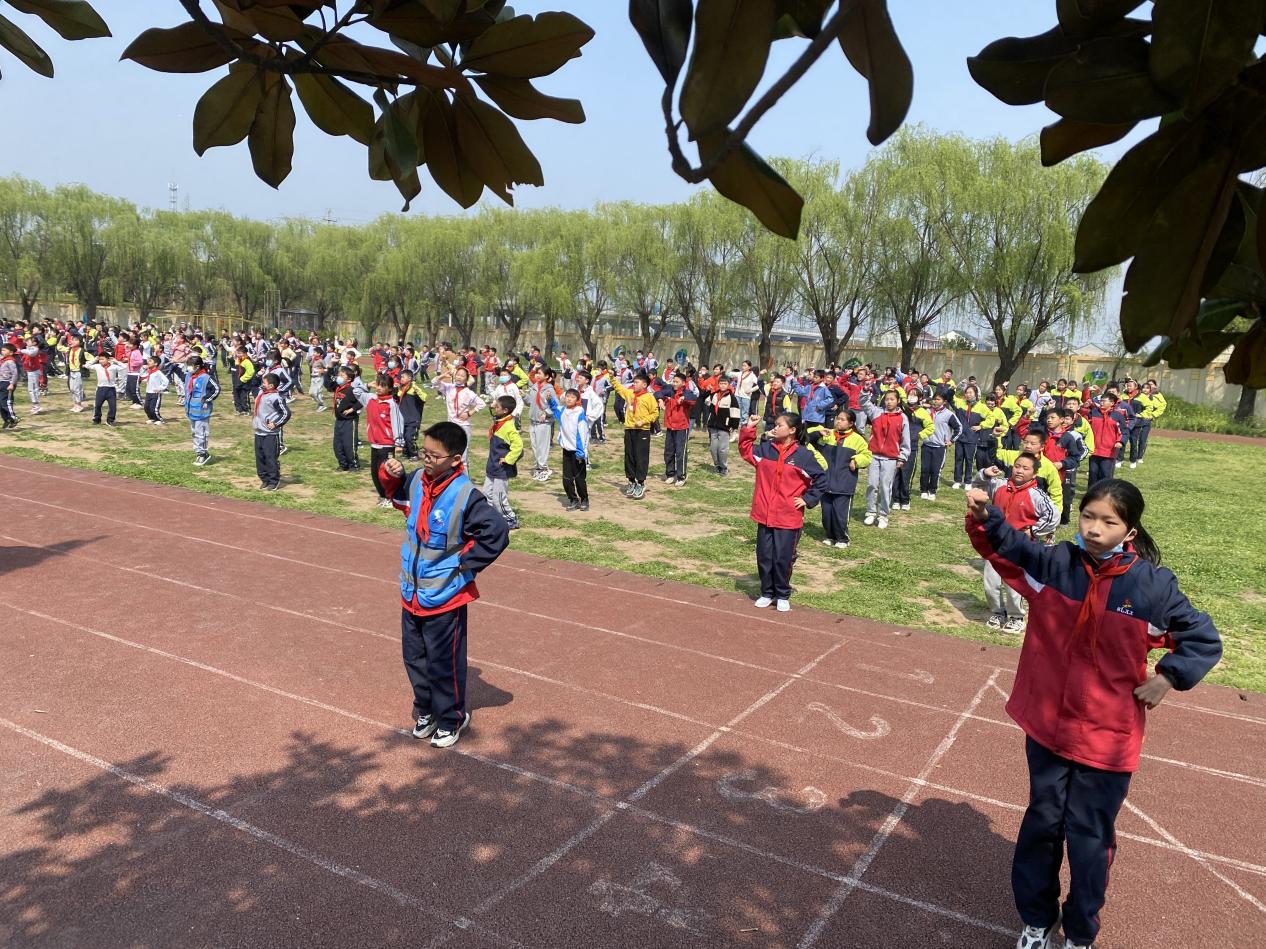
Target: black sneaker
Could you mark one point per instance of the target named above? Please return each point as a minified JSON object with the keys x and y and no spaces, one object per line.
{"x":571,"y":505}
{"x":425,"y":726}
{"x":583,"y":506}
{"x":108,"y":422}
{"x":443,"y":738}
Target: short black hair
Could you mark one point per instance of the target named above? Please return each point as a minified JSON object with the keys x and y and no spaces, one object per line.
{"x":194,"y":361}
{"x":449,"y":434}
{"x":506,"y":402}
{"x":272,"y":379}
{"x":1032,"y":459}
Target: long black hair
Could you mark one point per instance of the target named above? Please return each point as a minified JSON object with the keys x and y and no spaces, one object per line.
{"x":797,"y":426}
{"x":1127,"y":501}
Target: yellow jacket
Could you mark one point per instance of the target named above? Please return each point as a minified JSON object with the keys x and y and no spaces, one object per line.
{"x":640,"y":411}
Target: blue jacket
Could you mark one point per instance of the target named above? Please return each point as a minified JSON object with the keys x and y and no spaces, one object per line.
{"x":201,"y":391}
{"x":818,"y":400}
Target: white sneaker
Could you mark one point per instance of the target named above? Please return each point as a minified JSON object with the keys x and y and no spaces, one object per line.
{"x":923,"y":495}
{"x":1034,"y":938}
{"x":905,"y":507}
{"x":763,"y":603}
{"x":828,"y":542}
{"x":443,"y":738}
{"x":955,"y":486}
{"x":883,"y":522}
{"x":841,"y":544}
{"x":931,"y":497}
{"x":1134,"y":464}
{"x":784,"y":606}
{"x":1069,"y":944}
{"x":869,"y":519}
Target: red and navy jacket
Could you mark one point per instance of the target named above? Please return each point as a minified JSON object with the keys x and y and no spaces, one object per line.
{"x":1107,"y":432}
{"x":677,"y":407}
{"x":782,"y":475}
{"x":1091,"y":625}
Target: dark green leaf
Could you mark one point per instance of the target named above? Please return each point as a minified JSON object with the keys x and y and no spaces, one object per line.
{"x":805,"y":15}
{"x":1192,"y":351}
{"x":525,"y":48}
{"x":1015,"y":69}
{"x":186,"y":48}
{"x":401,"y":140}
{"x":72,"y":19}
{"x":1162,"y":286}
{"x":1247,"y":365}
{"x":226,"y":111}
{"x":1216,"y":315}
{"x":664,"y":26}
{"x":416,"y":23}
{"x":519,"y":98}
{"x":334,"y":108}
{"x":444,"y":10}
{"x":1107,"y":81}
{"x":1083,"y":18}
{"x":1118,"y":219}
{"x":448,"y":166}
{"x":24,"y":48}
{"x":870,"y":42}
{"x":732,"y":39}
{"x":494,"y":148}
{"x":272,"y":133}
{"x":745,"y":178}
{"x":1066,"y":138}
{"x":1199,"y":47}
{"x":1227,"y":247}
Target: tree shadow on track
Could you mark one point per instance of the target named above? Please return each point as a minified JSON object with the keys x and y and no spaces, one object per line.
{"x":16,"y":557}
{"x":108,"y":862}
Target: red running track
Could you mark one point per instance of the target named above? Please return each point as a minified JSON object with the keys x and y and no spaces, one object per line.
{"x":201,"y":744}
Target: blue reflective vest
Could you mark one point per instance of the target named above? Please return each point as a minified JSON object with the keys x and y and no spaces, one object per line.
{"x":197,"y":404}
{"x":431,"y":569}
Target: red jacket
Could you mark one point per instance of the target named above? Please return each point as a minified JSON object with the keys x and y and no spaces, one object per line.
{"x":782,"y":475}
{"x":1107,"y":434}
{"x":885,"y":434}
{"x":677,"y":409}
{"x":1091,"y":625}
{"x":384,"y":425}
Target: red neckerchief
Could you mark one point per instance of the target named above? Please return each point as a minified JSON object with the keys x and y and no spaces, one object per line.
{"x":498,"y":424}
{"x":784,"y":452}
{"x":716,"y":399}
{"x":1096,"y":601}
{"x":259,"y":398}
{"x":193,"y":378}
{"x":430,"y":491}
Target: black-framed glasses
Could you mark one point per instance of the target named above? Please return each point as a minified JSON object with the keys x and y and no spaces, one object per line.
{"x":430,"y":456}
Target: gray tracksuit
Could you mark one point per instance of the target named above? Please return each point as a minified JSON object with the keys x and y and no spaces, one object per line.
{"x":270,"y":407}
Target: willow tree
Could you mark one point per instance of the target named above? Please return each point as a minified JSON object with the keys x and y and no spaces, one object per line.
{"x":916,"y":277}
{"x":642,"y":267}
{"x":149,"y":251}
{"x":1012,"y":226}
{"x":706,"y":282}
{"x":767,"y":274}
{"x":24,"y":241}
{"x":79,"y":254}
{"x":504,"y":238}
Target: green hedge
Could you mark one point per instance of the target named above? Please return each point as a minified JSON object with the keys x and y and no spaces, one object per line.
{"x":1185,"y":416}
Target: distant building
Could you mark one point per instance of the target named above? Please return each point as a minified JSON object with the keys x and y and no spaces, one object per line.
{"x":1091,"y":349}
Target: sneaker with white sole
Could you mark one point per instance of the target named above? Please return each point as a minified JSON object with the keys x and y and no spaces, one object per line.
{"x":425,"y":726}
{"x":883,"y":522}
{"x":1069,"y":944}
{"x":201,"y":460}
{"x":869,"y":519}
{"x":784,"y":606}
{"x":628,"y":489}
{"x":828,"y":542}
{"x":996,"y":620}
{"x":955,"y":486}
{"x":639,"y":491}
{"x":1014,"y":624}
{"x":841,"y":544}
{"x":763,"y":603}
{"x":931,"y":497}
{"x":1035,"y":937}
{"x":444,"y":738}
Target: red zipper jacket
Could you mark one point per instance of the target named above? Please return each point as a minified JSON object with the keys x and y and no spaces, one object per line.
{"x":782,"y":475}
{"x":1107,"y":434}
{"x":1091,"y":625}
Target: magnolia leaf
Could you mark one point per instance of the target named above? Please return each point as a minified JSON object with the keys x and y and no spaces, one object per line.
{"x":745,"y":178}
{"x":72,"y":19}
{"x":1193,"y":351}
{"x":401,"y":140}
{"x":415,"y":23}
{"x":334,"y":108}
{"x":444,"y":10}
{"x":226,"y":111}
{"x":664,"y":26}
{"x":732,"y":40}
{"x":1199,"y":47}
{"x":1107,"y":81}
{"x":870,"y":42}
{"x":272,"y":133}
{"x":189,"y":47}
{"x":24,"y":48}
{"x":444,"y":158}
{"x":1066,"y":138}
{"x":805,"y":16}
{"x":1162,"y":286}
{"x":1119,"y":218}
{"x":1226,"y":248}
{"x":275,"y":23}
{"x":494,"y":148}
{"x":342,"y":53}
{"x":1083,"y":18}
{"x":1247,"y":365}
{"x":526,"y":47}
{"x":1014,"y":69}
{"x":519,"y":98}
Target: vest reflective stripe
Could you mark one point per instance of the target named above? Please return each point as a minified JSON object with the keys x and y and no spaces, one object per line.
{"x":431,"y":570}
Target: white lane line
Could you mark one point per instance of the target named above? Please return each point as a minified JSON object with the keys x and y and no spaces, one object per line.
{"x":425,"y":907}
{"x":1235,"y":887}
{"x":863,"y":863}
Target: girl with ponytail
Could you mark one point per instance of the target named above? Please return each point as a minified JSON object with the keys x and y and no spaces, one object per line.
{"x":1082,"y":688}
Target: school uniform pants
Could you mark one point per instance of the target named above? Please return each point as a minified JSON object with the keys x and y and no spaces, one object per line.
{"x":497,"y":491}
{"x":964,"y":461}
{"x":133,"y":387}
{"x":268,"y":459}
{"x":75,"y":381}
{"x":153,"y":406}
{"x":33,"y":387}
{"x":106,"y":395}
{"x":241,"y":398}
{"x":879,"y":478}
{"x":901,"y":480}
{"x":1138,"y":438}
{"x":1070,"y":488}
{"x":434,"y":649}
{"x":575,"y":477}
{"x":541,"y":435}
{"x":835,"y":511}
{"x":345,"y":444}
{"x":316,"y":391}
{"x":986,"y":450}
{"x":719,"y":448}
{"x":675,"y":443}
{"x":637,"y":454}
{"x":200,"y":429}
{"x":931,"y":461}
{"x":1100,"y":468}
{"x":1000,"y":597}
{"x":378,"y":455}
{"x":411,"y":427}
{"x":6,"y":402}
{"x":775,"y":557}
{"x":1071,"y":806}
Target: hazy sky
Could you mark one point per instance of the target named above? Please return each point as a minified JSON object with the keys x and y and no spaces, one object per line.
{"x":122,"y":129}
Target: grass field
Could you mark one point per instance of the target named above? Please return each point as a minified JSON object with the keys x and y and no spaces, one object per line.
{"x":1203,"y":510}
